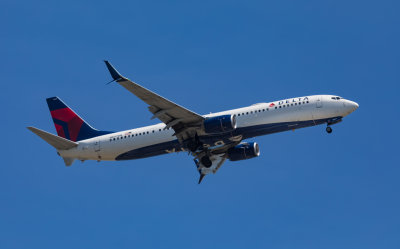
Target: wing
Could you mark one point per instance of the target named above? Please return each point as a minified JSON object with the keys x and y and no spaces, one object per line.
{"x":183,"y":121}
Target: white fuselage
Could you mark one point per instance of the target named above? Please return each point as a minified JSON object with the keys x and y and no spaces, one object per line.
{"x":293,"y":113}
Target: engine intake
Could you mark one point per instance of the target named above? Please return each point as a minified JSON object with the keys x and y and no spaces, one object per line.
{"x":220,"y":124}
{"x":244,"y":151}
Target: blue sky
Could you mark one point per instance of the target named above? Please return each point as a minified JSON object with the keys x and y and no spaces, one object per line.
{"x":308,"y":189}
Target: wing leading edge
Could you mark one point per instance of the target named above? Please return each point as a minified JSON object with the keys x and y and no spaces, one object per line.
{"x":183,"y":121}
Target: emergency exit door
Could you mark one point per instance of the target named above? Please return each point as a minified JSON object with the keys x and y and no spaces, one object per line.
{"x":319,"y":102}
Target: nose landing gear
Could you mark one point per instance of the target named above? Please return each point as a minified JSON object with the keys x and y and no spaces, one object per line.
{"x":329,"y":129}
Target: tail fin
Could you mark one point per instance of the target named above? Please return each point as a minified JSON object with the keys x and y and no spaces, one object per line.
{"x":68,"y":124}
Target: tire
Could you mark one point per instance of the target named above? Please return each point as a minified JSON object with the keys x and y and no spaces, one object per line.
{"x":192,"y":146}
{"x":329,"y":129}
{"x":205,"y":160}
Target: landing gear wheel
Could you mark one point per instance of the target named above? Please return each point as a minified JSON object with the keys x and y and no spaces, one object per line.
{"x":192,"y":146}
{"x":205,"y":160}
{"x":329,"y":129}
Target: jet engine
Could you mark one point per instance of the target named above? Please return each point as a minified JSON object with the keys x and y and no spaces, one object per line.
{"x":220,"y":124}
{"x":244,"y":151}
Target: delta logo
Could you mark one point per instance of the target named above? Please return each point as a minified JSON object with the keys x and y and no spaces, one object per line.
{"x":288,"y":101}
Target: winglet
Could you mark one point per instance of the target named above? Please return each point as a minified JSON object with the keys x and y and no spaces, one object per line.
{"x":114,"y":73}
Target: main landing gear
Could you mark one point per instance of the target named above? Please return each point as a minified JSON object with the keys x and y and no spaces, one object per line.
{"x":205,"y":160}
{"x":329,"y":129}
{"x":194,"y":144}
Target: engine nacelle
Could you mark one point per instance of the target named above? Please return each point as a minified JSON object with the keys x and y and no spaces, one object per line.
{"x":244,"y":151}
{"x":220,"y":124}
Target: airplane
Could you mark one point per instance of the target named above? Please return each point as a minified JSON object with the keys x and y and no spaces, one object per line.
{"x":211,"y":139}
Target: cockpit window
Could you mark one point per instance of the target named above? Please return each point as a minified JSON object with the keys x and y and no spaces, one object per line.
{"x":336,"y":98}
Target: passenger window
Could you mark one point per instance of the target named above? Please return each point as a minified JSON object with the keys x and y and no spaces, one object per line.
{"x":295,"y":103}
{"x":276,"y":107}
{"x":247,"y":113}
{"x":239,"y":115}
{"x":307,"y":101}
{"x":280,"y":106}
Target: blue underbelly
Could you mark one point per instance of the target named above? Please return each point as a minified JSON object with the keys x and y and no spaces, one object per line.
{"x":212,"y":140}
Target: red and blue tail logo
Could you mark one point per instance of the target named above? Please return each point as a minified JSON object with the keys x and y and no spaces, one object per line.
{"x":68,"y":124}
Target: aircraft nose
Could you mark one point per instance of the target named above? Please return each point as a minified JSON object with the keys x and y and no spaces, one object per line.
{"x":351,"y":106}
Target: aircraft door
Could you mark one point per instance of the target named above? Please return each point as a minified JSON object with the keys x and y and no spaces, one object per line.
{"x":97,"y":146}
{"x":319,"y":101}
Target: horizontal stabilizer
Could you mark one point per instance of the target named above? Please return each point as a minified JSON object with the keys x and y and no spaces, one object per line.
{"x":57,"y":142}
